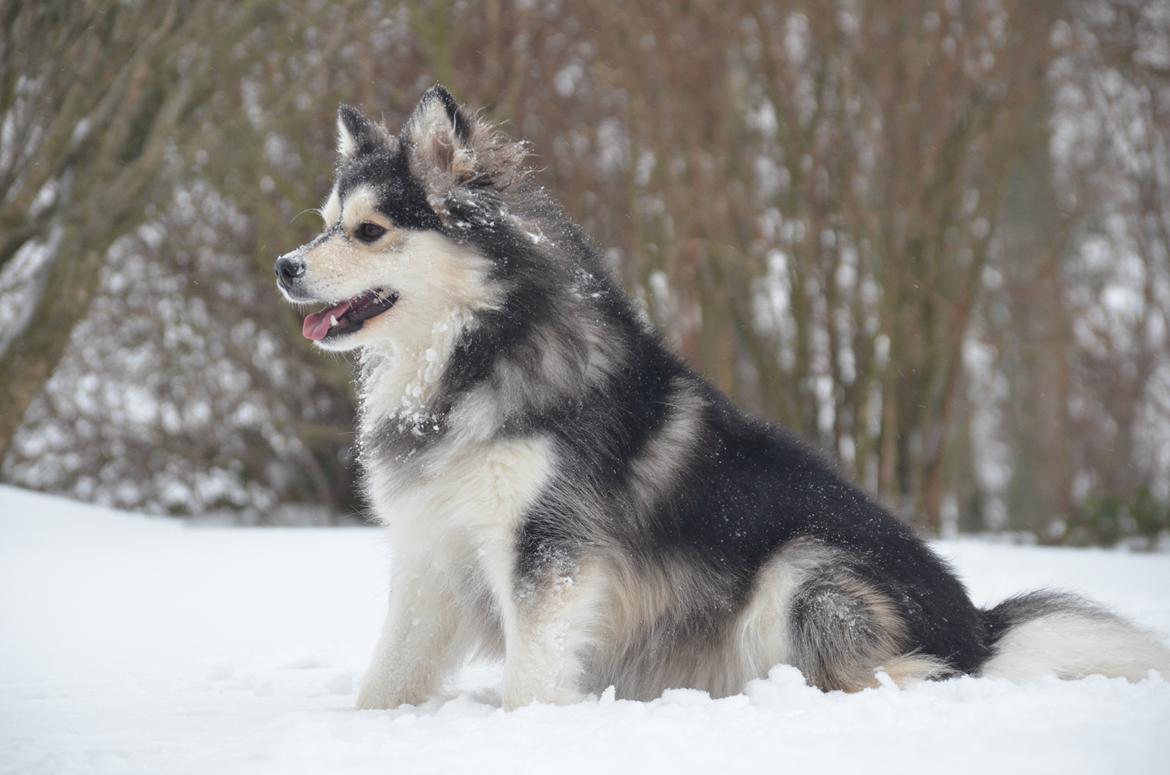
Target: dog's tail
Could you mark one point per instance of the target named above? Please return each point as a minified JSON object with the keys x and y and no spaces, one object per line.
{"x":1049,"y":633}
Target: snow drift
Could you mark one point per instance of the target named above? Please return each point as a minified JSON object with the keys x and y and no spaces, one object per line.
{"x":136,"y":645}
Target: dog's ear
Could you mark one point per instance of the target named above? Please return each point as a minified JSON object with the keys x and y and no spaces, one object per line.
{"x":439,"y":138}
{"x":356,"y":134}
{"x":447,"y":147}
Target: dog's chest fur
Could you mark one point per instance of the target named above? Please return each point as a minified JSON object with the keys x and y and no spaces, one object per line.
{"x":457,"y":506}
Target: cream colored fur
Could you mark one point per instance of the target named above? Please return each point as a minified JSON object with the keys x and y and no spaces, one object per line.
{"x":1071,"y":644}
{"x":455,"y":528}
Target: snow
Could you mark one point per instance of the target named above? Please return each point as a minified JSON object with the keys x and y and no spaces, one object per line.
{"x":139,"y":645}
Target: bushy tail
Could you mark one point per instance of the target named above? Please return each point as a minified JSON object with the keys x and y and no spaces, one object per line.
{"x":1048,"y":633}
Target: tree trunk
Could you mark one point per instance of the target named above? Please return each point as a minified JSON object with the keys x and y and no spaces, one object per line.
{"x":33,"y":354}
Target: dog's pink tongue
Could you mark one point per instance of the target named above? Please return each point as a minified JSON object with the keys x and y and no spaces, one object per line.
{"x":317,"y":325}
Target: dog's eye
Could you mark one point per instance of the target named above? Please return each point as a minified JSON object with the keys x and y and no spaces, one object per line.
{"x":369,"y":232}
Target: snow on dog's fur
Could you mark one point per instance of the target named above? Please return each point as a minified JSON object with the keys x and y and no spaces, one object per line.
{"x":563,"y":492}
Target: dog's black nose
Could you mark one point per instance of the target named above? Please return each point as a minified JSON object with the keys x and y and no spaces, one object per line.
{"x":289,"y":269}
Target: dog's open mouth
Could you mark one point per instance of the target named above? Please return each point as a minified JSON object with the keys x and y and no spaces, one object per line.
{"x":348,"y":316}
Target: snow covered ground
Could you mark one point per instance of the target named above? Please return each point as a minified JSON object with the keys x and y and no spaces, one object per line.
{"x":140,"y":645}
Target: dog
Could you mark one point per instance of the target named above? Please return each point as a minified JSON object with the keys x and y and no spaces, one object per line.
{"x":563,"y":492}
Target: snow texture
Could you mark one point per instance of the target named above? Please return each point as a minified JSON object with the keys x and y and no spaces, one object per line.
{"x":138,"y":645}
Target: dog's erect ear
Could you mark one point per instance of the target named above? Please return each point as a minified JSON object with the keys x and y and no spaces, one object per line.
{"x":356,"y":134}
{"x":447,"y":147}
{"x":439,"y":138}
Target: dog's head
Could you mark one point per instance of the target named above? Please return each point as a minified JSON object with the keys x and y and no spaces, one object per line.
{"x":387,"y":267}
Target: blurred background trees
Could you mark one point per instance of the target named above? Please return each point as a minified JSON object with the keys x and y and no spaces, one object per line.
{"x":929,"y":236}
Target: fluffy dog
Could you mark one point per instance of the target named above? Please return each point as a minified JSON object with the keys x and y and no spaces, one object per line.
{"x":563,"y":492}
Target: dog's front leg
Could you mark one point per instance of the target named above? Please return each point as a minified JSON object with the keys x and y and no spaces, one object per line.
{"x":550,"y":626}
{"x":420,"y":642}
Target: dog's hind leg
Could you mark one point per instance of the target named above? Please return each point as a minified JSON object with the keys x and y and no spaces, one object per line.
{"x":421,"y":642}
{"x":842,"y":630}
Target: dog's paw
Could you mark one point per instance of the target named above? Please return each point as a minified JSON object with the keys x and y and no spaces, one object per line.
{"x":378,"y":696}
{"x":372,"y":699}
{"x":518,"y":697}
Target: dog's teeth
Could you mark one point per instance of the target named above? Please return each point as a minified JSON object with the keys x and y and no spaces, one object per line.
{"x":332,"y":320}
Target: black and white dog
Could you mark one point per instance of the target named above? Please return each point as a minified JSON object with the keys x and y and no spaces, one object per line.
{"x":562,"y":491}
